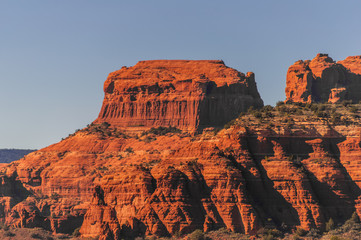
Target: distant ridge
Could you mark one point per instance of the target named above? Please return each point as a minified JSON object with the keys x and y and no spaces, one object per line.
{"x":9,"y":155}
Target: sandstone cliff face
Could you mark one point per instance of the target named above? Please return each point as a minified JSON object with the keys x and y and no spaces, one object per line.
{"x":249,"y":176}
{"x":267,"y":170}
{"x":324,"y":80}
{"x":185,"y":94}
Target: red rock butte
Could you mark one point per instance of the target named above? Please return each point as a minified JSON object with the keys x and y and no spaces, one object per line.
{"x":187,"y":94}
{"x":324,"y":80}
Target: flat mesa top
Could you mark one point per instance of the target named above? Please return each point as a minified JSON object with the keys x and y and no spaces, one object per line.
{"x":153,"y":71}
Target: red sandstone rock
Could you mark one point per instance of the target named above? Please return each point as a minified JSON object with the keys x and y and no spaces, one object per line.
{"x":173,"y":184}
{"x":243,"y":178}
{"x":323,"y":80}
{"x":181,"y":93}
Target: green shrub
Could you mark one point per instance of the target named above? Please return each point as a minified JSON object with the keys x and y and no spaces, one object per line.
{"x":250,"y":109}
{"x":64,"y":237}
{"x":333,"y":237}
{"x":161,"y":131}
{"x":76,"y":232}
{"x":300,"y":232}
{"x":313,"y":234}
{"x":330,"y":225}
{"x":267,"y":108}
{"x":197,"y":235}
{"x":353,"y":109}
{"x":280,"y":103}
{"x":321,"y":114}
{"x":271,"y":234}
{"x":355,"y":218}
{"x":335,"y":117}
{"x":346,"y":102}
{"x":229,"y":124}
{"x":36,"y":236}
{"x":268,"y":237}
{"x":9,"y":234}
{"x":55,"y":196}
{"x":4,"y":226}
{"x":257,"y":114}
{"x":129,"y":150}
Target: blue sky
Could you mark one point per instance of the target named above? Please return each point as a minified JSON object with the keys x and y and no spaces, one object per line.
{"x":55,"y":55}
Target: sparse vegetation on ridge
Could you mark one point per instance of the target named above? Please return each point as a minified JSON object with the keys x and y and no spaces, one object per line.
{"x":161,"y":131}
{"x":298,"y":114}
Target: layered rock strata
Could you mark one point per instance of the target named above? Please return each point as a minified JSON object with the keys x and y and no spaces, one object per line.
{"x":252,"y":175}
{"x":181,"y":93}
{"x":270,"y":169}
{"x":324,"y":80}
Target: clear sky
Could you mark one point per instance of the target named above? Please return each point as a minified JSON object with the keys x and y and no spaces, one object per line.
{"x":55,"y":55}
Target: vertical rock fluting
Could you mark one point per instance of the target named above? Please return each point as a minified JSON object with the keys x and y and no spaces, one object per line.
{"x":324,"y":80}
{"x":240,"y":178}
{"x":258,"y":173}
{"x":185,"y":94}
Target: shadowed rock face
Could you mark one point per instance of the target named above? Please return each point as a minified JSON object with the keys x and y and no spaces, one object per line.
{"x":185,"y":94}
{"x":323,"y":80}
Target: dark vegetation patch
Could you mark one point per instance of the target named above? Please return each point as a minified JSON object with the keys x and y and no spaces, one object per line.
{"x":160,"y":131}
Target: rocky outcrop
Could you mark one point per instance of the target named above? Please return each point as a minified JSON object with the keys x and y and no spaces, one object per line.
{"x":270,"y":169}
{"x":324,"y":80}
{"x":185,"y":94}
{"x":243,"y":178}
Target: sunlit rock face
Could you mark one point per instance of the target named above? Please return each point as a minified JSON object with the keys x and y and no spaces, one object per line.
{"x":189,"y":95}
{"x":261,"y":172}
{"x":324,"y":80}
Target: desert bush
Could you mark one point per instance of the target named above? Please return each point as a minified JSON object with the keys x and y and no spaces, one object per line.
{"x":353,"y":109}
{"x":313,"y":234}
{"x":129,"y":150}
{"x":330,"y":225}
{"x":242,"y":114}
{"x":149,"y":139}
{"x":355,"y":217}
{"x":335,"y":117}
{"x":351,"y":224}
{"x":63,"y":237}
{"x":321,"y":107}
{"x":36,"y":236}
{"x":161,"y":131}
{"x":250,"y":109}
{"x":55,"y":196}
{"x":333,"y":237}
{"x":4,"y":226}
{"x":300,"y":104}
{"x":229,"y":124}
{"x":257,"y":114}
{"x":151,"y":238}
{"x":300,"y":232}
{"x":280,"y":103}
{"x":268,"y":237}
{"x":9,"y":234}
{"x":197,"y":235}
{"x":299,"y":111}
{"x":267,"y":108}
{"x":321,"y":114}
{"x":272,"y":234}
{"x":76,"y":232}
{"x":102,"y":168}
{"x":346,"y":102}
